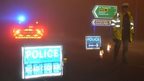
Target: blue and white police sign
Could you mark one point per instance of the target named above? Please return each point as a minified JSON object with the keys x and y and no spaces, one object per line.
{"x":93,"y":42}
{"x":40,"y":61}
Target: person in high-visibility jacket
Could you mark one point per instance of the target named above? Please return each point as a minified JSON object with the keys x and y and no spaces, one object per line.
{"x":123,"y":31}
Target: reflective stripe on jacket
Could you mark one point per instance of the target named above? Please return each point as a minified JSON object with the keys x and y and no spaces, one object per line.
{"x":117,"y":23}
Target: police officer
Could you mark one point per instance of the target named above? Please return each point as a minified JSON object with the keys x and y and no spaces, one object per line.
{"x":123,"y":30}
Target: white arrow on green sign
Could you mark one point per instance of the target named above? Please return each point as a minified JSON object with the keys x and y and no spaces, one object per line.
{"x":104,"y":11}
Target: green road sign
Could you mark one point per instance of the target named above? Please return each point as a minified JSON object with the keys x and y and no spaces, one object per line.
{"x":104,"y":11}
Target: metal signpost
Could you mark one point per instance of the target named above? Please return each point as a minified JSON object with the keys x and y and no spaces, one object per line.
{"x":93,"y":42}
{"x":41,"y":61}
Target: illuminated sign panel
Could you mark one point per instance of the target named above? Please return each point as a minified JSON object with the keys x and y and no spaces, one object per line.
{"x":40,"y":61}
{"x":104,"y":11}
{"x":92,"y":42}
{"x":101,"y":22}
{"x":28,"y":33}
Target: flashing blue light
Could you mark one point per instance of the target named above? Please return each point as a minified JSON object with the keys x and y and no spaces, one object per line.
{"x":21,"y":19}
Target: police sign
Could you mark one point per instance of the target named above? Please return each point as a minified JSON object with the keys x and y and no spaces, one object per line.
{"x":40,"y":61}
{"x":92,"y":42}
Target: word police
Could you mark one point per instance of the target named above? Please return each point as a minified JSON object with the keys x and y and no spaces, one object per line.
{"x":35,"y":54}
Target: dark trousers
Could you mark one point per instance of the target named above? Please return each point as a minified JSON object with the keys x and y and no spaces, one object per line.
{"x":124,"y":51}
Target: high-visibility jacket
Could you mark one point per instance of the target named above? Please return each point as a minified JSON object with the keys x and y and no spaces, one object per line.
{"x":117,"y":23}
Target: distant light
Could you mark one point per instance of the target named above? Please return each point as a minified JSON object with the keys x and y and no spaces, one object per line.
{"x":21,"y":19}
{"x":108,"y":48}
{"x":37,"y":22}
{"x":65,"y":60}
{"x":101,"y":53}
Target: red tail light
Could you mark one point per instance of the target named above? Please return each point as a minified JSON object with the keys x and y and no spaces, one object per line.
{"x":28,"y":33}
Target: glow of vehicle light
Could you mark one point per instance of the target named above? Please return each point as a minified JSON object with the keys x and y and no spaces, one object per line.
{"x":17,"y":31}
{"x":38,"y":33}
{"x":108,"y":48}
{"x":101,"y":53}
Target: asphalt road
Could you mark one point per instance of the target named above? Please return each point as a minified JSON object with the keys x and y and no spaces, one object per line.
{"x":82,"y":65}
